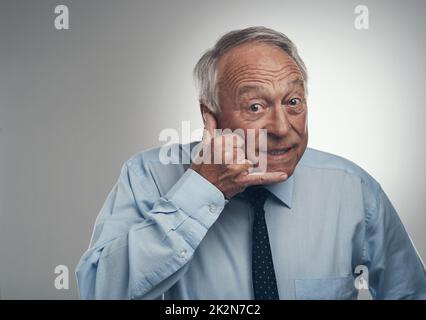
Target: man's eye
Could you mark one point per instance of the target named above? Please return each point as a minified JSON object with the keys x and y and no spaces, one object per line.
{"x":294,"y":102}
{"x":255,"y":107}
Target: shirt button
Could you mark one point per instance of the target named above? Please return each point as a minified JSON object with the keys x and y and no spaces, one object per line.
{"x":212,"y":208}
{"x":183,"y":253}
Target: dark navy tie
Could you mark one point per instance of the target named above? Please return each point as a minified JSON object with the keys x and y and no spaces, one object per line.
{"x":264,"y":282}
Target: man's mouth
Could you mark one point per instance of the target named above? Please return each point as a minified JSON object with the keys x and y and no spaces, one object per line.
{"x":277,"y":152}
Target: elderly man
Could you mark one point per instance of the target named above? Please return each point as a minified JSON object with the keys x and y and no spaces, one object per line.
{"x":299,"y":230}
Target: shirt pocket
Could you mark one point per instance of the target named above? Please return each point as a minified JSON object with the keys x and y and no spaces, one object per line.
{"x":336,"y":288}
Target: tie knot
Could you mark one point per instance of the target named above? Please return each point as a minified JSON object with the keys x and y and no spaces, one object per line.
{"x":256,"y":196}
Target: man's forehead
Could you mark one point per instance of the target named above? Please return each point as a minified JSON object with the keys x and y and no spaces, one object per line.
{"x":250,"y":59}
{"x":251,"y":78}
{"x":248,"y":87}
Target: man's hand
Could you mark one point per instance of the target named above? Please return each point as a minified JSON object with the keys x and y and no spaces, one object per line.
{"x":231,"y":176}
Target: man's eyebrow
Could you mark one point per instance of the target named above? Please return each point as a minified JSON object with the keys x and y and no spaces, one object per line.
{"x":296,"y":82}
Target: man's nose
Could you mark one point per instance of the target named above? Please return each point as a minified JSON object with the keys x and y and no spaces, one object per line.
{"x":278,"y":124}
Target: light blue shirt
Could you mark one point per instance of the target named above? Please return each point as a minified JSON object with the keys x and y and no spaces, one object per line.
{"x":166,"y":232}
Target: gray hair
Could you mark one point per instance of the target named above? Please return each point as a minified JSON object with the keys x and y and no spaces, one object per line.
{"x":205,"y":71}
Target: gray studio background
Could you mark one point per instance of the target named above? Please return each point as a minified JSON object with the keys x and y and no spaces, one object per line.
{"x":75,"y":104}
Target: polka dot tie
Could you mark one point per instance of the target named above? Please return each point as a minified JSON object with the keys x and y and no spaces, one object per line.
{"x":264,"y":281}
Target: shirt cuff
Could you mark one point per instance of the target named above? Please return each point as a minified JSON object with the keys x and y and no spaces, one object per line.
{"x":197,"y":197}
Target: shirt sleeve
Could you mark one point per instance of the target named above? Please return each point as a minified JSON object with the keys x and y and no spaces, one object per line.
{"x":394,"y":267}
{"x":142,"y":242}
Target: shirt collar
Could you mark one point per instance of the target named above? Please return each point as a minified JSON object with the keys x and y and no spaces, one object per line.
{"x":283,"y":190}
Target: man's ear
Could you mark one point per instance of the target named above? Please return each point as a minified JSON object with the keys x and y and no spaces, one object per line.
{"x":203,"y":110}
{"x":209,"y":120}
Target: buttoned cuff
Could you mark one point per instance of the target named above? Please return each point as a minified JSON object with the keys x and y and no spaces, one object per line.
{"x":197,"y":197}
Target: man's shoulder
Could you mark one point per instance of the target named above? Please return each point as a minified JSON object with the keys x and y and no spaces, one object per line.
{"x":174,"y":154}
{"x":329,"y":162}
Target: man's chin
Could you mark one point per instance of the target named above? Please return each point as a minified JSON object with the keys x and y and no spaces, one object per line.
{"x":287,"y":169}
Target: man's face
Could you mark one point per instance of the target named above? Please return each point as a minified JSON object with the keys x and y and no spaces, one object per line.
{"x":261,"y":87}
